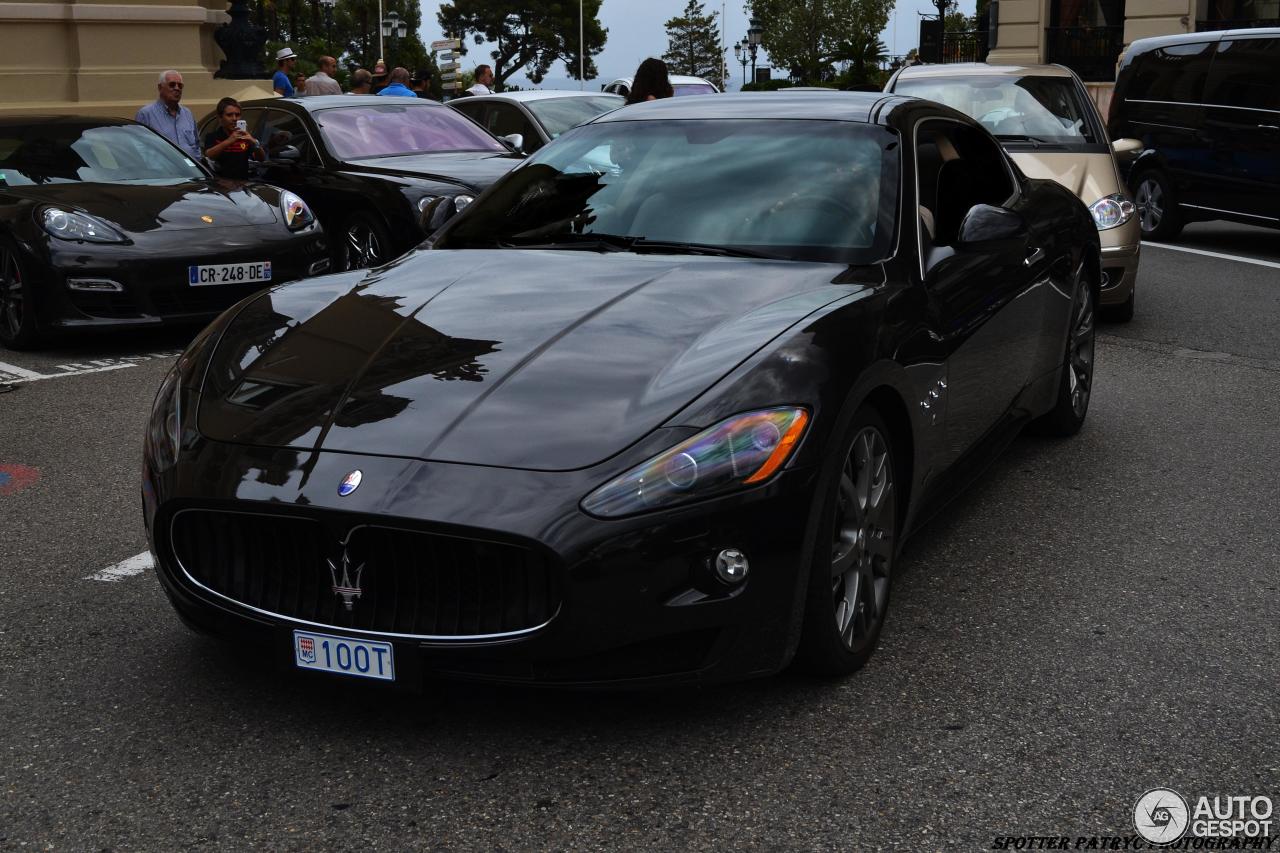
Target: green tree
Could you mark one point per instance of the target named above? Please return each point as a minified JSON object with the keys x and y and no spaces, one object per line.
{"x":353,"y":38}
{"x":528,"y":36}
{"x":693,"y":43}
{"x":809,"y":36}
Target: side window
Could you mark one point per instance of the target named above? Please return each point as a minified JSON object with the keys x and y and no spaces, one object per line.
{"x":1244,"y":74}
{"x":1174,"y":74}
{"x":472,"y":110}
{"x":504,"y":119}
{"x":280,"y":130}
{"x":957,"y":167}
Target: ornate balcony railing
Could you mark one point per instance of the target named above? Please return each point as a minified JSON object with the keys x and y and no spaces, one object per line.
{"x":964,"y":46}
{"x":1091,"y":52}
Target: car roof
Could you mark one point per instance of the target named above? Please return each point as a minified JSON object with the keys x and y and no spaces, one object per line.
{"x":320,"y":102}
{"x":974,"y":69}
{"x":542,"y":95}
{"x":838,"y":106}
{"x":79,"y":121}
{"x":674,"y":78}
{"x":1143,"y":45}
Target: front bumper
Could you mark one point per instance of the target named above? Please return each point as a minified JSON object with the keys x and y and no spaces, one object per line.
{"x":637,"y":603}
{"x":1121,"y":251}
{"x":152,"y":274}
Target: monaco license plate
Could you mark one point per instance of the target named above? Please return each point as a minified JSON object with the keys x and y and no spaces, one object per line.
{"x":229,"y":273}
{"x":344,"y":655}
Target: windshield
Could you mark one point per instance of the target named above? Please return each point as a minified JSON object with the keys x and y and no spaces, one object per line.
{"x":805,"y":190}
{"x":378,"y":130}
{"x":1029,"y":109}
{"x":70,"y":153}
{"x":693,"y":89}
{"x":556,"y":115}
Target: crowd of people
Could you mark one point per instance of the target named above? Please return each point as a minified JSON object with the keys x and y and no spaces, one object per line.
{"x":232,"y":146}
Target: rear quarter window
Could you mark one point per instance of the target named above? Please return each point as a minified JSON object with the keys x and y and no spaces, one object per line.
{"x":1175,"y":74}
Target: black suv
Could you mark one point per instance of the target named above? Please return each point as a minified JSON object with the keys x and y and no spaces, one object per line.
{"x":1207,"y":109}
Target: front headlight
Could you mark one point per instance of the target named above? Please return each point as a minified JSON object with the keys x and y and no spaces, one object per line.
{"x":66,"y":225}
{"x":296,"y":213}
{"x":164,"y":429}
{"x":461,"y":201}
{"x":1112,"y":211}
{"x":741,"y":451}
{"x":424,"y":202}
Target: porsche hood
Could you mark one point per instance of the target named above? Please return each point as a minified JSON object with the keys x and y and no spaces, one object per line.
{"x":548,"y":360}
{"x":173,"y":206}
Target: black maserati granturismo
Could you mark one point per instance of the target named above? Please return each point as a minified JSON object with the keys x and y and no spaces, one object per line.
{"x":104,"y":222}
{"x":660,"y":406}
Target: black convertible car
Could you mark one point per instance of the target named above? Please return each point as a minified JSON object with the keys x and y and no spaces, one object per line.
{"x":368,"y":165}
{"x":104,"y":222}
{"x":666,"y":420}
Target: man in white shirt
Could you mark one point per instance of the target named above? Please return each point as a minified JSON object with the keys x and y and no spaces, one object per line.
{"x":322,"y":82}
{"x":484,"y":79}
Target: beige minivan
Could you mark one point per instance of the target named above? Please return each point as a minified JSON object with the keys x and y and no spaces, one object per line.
{"x":1045,"y":119}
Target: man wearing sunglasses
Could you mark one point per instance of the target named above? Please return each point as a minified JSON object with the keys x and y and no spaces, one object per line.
{"x":169,"y":118}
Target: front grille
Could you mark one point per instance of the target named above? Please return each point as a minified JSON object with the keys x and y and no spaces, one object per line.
{"x":410,"y":582}
{"x":207,"y":299}
{"x":107,"y":305}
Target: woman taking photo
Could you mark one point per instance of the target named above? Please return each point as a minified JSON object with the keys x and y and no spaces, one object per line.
{"x":230,"y":146}
{"x":650,"y":83}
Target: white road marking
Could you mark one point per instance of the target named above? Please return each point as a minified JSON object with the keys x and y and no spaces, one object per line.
{"x":12,"y":373}
{"x":18,"y":372}
{"x":1255,"y":261}
{"x":135,"y":565}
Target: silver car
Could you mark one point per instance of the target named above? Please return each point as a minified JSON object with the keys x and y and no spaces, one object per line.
{"x":537,"y":117}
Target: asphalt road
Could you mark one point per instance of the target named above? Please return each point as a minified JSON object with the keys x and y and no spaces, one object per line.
{"x":1097,"y":617}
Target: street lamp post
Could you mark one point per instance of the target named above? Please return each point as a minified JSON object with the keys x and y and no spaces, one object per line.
{"x":328,"y":22}
{"x":740,"y":55}
{"x":394,"y":29}
{"x":754,"y":32}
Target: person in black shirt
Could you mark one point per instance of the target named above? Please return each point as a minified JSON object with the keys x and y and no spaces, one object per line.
{"x":230,"y":147}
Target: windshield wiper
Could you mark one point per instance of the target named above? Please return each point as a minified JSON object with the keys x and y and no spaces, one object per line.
{"x":1035,"y":141}
{"x":591,"y":242}
{"x":624,"y":243}
{"x":641,"y":244}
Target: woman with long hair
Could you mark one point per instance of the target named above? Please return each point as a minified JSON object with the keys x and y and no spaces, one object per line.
{"x":650,"y":83}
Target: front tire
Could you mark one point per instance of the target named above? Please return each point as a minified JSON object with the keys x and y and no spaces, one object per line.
{"x":1157,"y":206}
{"x":19,"y":328}
{"x":853,"y":557}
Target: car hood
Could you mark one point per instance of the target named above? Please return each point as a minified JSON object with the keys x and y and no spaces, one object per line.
{"x":1089,"y":176}
{"x":474,"y":169}
{"x":547,"y":360}
{"x":178,"y":206}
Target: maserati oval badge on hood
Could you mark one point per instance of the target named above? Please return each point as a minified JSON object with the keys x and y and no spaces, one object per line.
{"x":350,"y":483}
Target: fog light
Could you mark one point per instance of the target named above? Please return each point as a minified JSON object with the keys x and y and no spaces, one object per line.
{"x":732,"y":566}
{"x":95,"y":285}
{"x":318,"y":267}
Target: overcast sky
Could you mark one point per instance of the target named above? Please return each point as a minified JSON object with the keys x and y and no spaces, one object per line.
{"x":636,"y":31}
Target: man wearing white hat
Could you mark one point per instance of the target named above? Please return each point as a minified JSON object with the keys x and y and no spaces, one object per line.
{"x":285,"y":60}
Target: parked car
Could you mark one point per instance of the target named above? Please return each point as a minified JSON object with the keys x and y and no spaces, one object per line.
{"x":668,"y":421}
{"x":1045,"y":119}
{"x":369,"y":165}
{"x":537,"y":117}
{"x":682,"y":84}
{"x":104,"y":222}
{"x":1207,"y":109}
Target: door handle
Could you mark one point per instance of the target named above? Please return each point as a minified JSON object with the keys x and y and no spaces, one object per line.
{"x":1036,"y":256}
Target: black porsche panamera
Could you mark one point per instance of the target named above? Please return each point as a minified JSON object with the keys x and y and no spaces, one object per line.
{"x":660,"y":406}
{"x":104,"y":223}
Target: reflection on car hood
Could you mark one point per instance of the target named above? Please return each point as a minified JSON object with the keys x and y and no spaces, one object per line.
{"x":529,"y":359}
{"x":1089,"y":176}
{"x":475,"y":169}
{"x":138,"y":208}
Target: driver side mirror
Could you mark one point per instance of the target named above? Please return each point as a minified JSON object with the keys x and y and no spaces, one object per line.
{"x":437,"y":213}
{"x":1126,"y":149}
{"x":515,"y":140}
{"x":988,"y":227}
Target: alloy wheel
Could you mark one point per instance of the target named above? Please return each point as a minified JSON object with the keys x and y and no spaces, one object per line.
{"x":1080,"y":353}
{"x":364,"y":248}
{"x":1150,"y":201}
{"x":12,"y":304}
{"x":862,"y":553}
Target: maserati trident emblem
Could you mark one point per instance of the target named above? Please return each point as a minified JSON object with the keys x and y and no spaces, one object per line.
{"x":350,"y":483}
{"x":347,"y":587}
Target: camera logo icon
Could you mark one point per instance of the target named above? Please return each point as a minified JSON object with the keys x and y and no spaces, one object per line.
{"x":1161,"y":816}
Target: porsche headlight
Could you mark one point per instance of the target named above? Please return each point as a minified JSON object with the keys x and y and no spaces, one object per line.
{"x":164,"y":429}
{"x":741,"y":451}
{"x":66,"y":225}
{"x":296,"y":213}
{"x":1112,"y":211}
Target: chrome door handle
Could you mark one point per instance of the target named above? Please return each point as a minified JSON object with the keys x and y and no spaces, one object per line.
{"x":1036,"y":256}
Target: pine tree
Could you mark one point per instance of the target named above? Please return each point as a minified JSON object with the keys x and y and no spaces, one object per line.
{"x":693,"y":43}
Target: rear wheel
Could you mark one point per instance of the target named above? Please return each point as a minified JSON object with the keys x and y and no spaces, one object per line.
{"x":1157,"y":206}
{"x":364,"y":242}
{"x":853,"y":559}
{"x":1076,"y":384}
{"x":18,"y":326}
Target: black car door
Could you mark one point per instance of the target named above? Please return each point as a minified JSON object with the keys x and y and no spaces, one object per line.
{"x":985,"y":299}
{"x":1242,"y":121}
{"x":293,"y":163}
